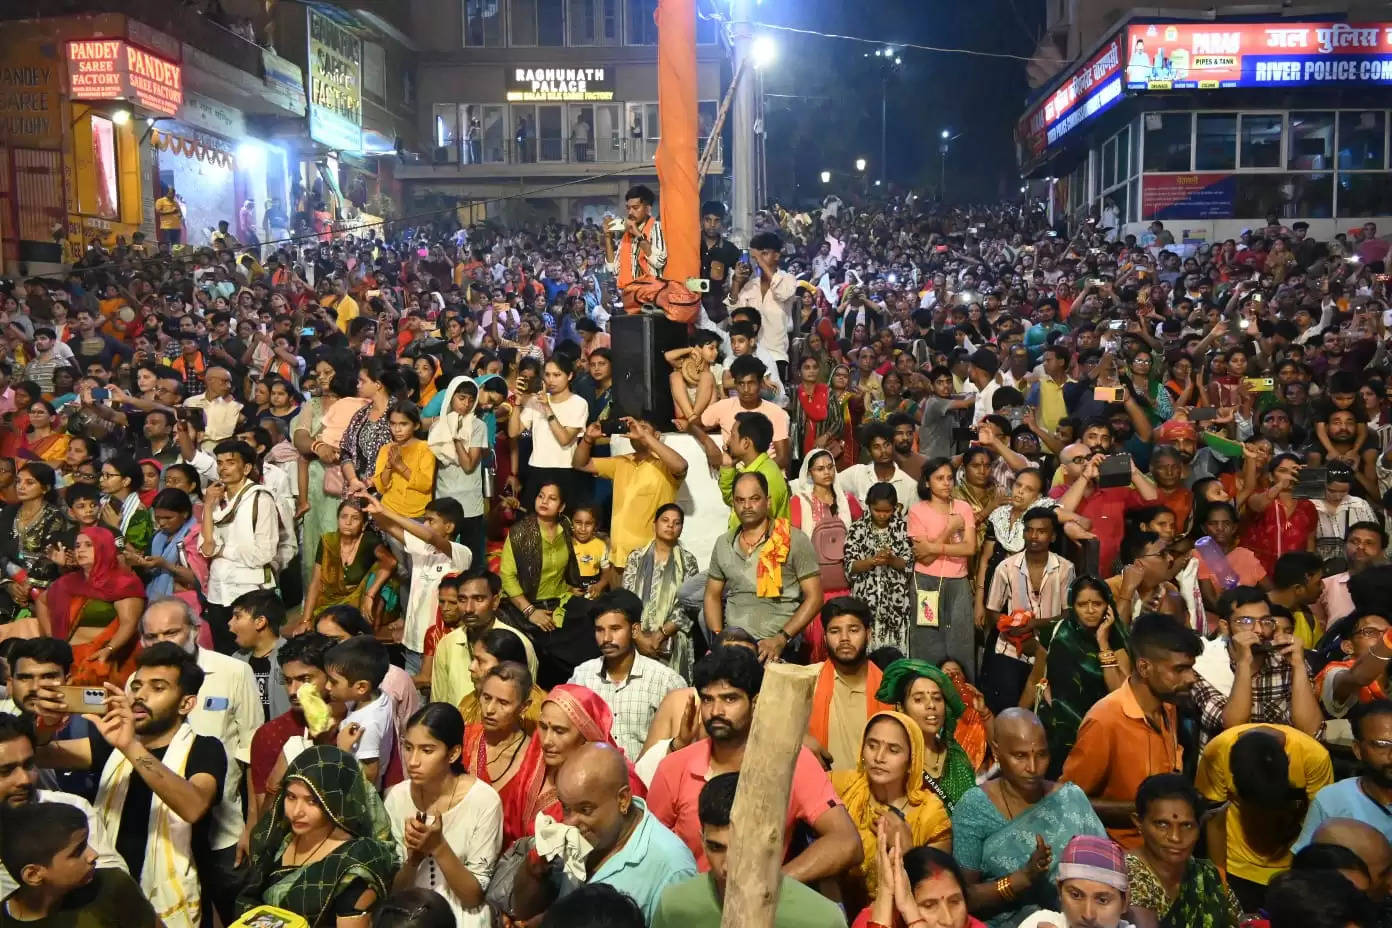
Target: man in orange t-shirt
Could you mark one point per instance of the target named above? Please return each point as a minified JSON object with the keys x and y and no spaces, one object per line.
{"x":1133,"y":731}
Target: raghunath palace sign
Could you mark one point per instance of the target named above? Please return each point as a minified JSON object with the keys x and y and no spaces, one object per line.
{"x":559,"y":85}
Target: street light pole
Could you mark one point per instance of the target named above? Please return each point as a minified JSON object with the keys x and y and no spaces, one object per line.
{"x":884,"y":118}
{"x":743,"y":165}
{"x":947,"y":139}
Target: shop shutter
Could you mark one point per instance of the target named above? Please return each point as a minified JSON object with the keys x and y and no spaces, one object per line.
{"x":38,"y":192}
{"x":9,"y":237}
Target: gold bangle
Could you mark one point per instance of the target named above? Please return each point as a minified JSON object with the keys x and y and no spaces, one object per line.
{"x":1004,"y":890}
{"x":1107,"y":657}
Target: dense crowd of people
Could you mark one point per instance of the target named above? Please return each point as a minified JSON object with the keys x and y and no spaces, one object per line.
{"x":337,"y":589}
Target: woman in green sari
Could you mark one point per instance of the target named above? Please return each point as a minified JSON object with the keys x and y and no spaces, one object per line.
{"x":1085,"y":660}
{"x":324,"y":848}
{"x":925,"y":694}
{"x":354,"y":567}
{"x":540,"y":577}
{"x":317,"y":433}
{"x":1148,"y":383}
{"x":1169,"y":886}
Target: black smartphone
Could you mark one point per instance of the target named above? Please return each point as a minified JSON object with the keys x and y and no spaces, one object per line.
{"x":1115,"y":471}
{"x":1203,"y":413}
{"x":614,"y":427}
{"x":1312,"y":483}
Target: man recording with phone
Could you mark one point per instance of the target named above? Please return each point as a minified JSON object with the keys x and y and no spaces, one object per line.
{"x":1101,"y":491}
{"x":1265,"y":680}
{"x":646,"y":478}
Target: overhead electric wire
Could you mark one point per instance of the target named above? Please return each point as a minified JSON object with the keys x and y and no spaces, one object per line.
{"x":881,"y":43}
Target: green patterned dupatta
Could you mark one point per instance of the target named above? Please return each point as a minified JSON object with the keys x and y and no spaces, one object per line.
{"x":370,"y":854}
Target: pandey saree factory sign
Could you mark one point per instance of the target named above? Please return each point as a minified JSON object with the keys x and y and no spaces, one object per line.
{"x":114,"y":69}
{"x":335,"y":84}
{"x":559,"y":85}
{"x":1085,"y":93}
{"x":1211,"y":56}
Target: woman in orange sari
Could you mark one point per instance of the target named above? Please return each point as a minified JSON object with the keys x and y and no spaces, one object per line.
{"x":571,"y":716}
{"x":45,"y":439}
{"x":96,"y":609}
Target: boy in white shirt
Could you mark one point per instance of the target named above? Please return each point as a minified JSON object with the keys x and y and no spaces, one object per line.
{"x":434,"y":554}
{"x":355,"y":669}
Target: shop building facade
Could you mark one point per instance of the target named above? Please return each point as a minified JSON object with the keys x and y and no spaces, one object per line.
{"x":1213,"y":125}
{"x":537,"y":109}
{"x":100,"y":112}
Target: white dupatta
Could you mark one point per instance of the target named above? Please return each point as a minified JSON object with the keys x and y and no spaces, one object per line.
{"x":168,"y":875}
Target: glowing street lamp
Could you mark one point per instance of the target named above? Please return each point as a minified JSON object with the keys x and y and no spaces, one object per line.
{"x":763,"y":52}
{"x":826,"y":177}
{"x":860,"y":164}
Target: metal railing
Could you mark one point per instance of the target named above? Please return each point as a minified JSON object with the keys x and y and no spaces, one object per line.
{"x":554,"y":150}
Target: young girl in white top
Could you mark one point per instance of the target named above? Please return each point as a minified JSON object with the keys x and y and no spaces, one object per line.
{"x":448,"y":823}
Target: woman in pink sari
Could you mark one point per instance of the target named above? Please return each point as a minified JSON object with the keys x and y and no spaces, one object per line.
{"x":571,"y":716}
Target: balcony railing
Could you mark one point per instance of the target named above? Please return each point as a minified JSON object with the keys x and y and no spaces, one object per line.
{"x":552,"y":150}
{"x":182,"y":22}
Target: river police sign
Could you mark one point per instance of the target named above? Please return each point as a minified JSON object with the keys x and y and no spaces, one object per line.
{"x":559,"y":85}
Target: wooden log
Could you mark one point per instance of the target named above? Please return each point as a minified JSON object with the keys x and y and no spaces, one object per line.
{"x":761,"y":802}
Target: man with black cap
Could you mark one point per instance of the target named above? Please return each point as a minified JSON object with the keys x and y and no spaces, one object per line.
{"x":718,"y":258}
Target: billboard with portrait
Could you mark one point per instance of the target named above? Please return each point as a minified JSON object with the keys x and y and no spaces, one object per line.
{"x":1213,"y":56}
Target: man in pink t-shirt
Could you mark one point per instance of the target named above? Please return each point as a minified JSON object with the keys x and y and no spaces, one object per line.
{"x":748,"y":377}
{"x":728,"y":681}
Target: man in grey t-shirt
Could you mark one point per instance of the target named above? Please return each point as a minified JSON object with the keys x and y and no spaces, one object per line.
{"x":940,"y":415}
{"x":732,"y":580}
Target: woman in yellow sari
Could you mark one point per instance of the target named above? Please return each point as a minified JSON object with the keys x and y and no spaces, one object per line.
{"x":887,"y":786}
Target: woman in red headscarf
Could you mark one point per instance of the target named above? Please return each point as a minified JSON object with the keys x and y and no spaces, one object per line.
{"x":571,"y":716}
{"x":96,"y":609}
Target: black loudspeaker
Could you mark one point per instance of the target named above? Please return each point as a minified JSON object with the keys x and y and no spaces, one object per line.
{"x":641,"y":385}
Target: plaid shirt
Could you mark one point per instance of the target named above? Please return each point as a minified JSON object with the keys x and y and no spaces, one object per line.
{"x":1271,"y":691}
{"x":634,"y":702}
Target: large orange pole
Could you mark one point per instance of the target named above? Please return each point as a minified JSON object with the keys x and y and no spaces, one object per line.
{"x":678,"y":184}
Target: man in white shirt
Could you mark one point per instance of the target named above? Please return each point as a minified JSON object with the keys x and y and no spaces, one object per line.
{"x":633,"y":685}
{"x":19,"y":784}
{"x":771,"y":293}
{"x":241,"y":531}
{"x":221,"y":410}
{"x":856,"y":480}
{"x":982,"y":374}
{"x":228,"y":709}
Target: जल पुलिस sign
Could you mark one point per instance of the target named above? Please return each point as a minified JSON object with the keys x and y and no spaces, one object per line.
{"x":1214,"y":56}
{"x":554,"y":85}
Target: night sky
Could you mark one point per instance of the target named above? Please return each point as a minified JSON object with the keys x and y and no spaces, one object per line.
{"x":838,"y":117}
